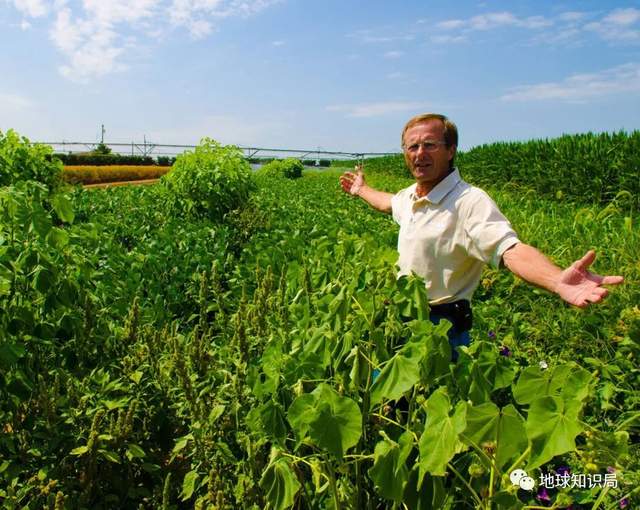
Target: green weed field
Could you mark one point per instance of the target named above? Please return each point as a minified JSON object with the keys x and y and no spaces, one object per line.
{"x":208,"y":342}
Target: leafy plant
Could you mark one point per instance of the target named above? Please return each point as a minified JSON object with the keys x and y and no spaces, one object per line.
{"x":22,"y":161}
{"x":290,"y":168}
{"x":208,"y":182}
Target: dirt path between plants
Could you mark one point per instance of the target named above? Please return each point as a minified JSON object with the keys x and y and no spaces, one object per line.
{"x":120,"y":183}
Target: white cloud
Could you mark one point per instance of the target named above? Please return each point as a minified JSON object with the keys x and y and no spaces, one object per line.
{"x":580,"y":87}
{"x":31,"y":8}
{"x":492,"y":21}
{"x":572,"y":16}
{"x":93,"y":34}
{"x":375,"y":109}
{"x":619,"y":25}
{"x":393,"y":54}
{"x":623,"y":17}
{"x":448,"y":39}
{"x":278,"y":43}
{"x":90,"y":45}
{"x":451,"y":24}
{"x":375,"y":37}
{"x":195,"y":15}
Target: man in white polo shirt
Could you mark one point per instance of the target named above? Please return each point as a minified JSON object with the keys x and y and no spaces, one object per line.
{"x":450,"y":229}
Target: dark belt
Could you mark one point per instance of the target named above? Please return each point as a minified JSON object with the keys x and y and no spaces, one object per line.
{"x":458,"y":312}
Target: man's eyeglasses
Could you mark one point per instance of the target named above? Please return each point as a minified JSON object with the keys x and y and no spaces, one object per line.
{"x":428,"y":146}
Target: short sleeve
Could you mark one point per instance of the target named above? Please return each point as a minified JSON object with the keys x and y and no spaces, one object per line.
{"x":489,"y":233}
{"x":396,"y":207}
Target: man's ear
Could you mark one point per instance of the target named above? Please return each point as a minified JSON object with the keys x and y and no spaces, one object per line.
{"x":452,"y":151}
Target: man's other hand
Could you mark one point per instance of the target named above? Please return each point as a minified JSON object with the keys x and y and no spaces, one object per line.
{"x":352,"y":182}
{"x":580,"y":287}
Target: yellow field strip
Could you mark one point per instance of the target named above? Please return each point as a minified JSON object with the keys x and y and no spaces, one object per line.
{"x":121,"y":183}
{"x":86,"y":174}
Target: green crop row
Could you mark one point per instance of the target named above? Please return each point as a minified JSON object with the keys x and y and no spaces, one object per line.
{"x":584,"y":168}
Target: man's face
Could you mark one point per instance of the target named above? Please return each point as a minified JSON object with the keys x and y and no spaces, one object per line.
{"x":428,"y":163}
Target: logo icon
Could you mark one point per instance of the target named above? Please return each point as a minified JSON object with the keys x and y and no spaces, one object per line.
{"x":522,"y":479}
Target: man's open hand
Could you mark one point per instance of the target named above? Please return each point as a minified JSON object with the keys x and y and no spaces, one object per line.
{"x":352,"y":182}
{"x":580,"y":287}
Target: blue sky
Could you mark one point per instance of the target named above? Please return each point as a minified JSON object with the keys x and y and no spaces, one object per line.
{"x":337,"y":74}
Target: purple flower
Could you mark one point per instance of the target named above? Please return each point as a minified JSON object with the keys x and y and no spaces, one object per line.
{"x":624,"y":502}
{"x":491,"y":335}
{"x":543,"y":495}
{"x":505,"y":351}
{"x":563,"y":471}
{"x":611,"y":469}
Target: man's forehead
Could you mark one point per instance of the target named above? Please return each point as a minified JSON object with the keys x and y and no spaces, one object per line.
{"x":433,"y":127}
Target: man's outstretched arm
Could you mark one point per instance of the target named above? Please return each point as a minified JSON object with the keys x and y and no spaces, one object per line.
{"x":354,"y":184}
{"x":575,"y":284}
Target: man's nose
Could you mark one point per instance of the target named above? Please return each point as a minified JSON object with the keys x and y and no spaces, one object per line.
{"x":422,"y":151}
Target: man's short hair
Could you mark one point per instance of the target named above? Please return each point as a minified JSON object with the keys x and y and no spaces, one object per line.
{"x":450,"y":129}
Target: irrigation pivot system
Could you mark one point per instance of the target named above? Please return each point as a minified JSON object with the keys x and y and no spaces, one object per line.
{"x":156,"y":149}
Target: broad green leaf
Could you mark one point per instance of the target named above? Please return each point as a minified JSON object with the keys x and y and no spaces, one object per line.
{"x":43,"y":280}
{"x":511,"y":435}
{"x":502,"y":427}
{"x":480,"y":387}
{"x":10,"y":353}
{"x":577,"y":383}
{"x":189,"y":485}
{"x":569,"y":380}
{"x":552,"y":426}
{"x":411,"y":297}
{"x":40,"y":220}
{"x":440,"y":440}
{"x":389,"y":471}
{"x":63,"y":207}
{"x":531,"y":384}
{"x":438,"y":351}
{"x":332,"y":422}
{"x":320,"y":345}
{"x":300,"y":413}
{"x":497,"y":370}
{"x":337,"y":423}
{"x":482,"y":423}
{"x":280,"y":484}
{"x":338,"y":309}
{"x":400,"y":374}
{"x":429,"y":494}
{"x":272,"y":418}
{"x":58,"y":238}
